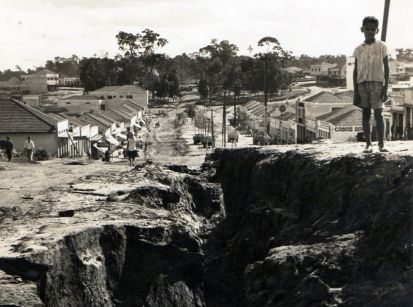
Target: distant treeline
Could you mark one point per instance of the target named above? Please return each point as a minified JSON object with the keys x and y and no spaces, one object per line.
{"x":216,"y":67}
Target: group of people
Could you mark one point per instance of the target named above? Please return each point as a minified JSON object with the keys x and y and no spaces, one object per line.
{"x":28,"y":148}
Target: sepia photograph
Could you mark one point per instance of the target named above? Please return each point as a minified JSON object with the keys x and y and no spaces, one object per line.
{"x":188,"y":153}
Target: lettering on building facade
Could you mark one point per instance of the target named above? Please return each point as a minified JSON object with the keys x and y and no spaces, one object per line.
{"x":348,"y":129}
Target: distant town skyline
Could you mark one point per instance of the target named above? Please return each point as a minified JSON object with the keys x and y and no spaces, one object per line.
{"x":36,"y":31}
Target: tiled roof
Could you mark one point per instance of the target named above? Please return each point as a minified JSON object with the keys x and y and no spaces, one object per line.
{"x":56,"y":117}
{"x":76,"y":120}
{"x":17,"y":117}
{"x":101,"y":119}
{"x":105,"y":116}
{"x":107,"y":88}
{"x":116,"y":116}
{"x":92,"y":121}
{"x":250,"y":103}
{"x":81,"y":97}
{"x":351,"y":118}
{"x":286,"y":116}
{"x":336,"y":113}
{"x":140,"y":105}
{"x":131,"y":109}
{"x":54,"y":109}
{"x":345,"y":94}
{"x":130,"y":88}
{"x":325,"y":97}
{"x":122,"y":113}
{"x":44,"y":72}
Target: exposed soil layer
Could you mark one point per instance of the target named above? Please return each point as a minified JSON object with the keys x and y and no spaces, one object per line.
{"x":252,"y":227}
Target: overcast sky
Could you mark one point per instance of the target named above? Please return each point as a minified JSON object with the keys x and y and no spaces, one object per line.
{"x":34,"y":31}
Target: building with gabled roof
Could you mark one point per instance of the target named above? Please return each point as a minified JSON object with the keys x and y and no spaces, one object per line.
{"x":18,"y":121}
{"x":41,"y":81}
{"x":284,"y":128}
{"x":133,"y":93}
{"x":313,"y":106}
{"x":341,"y":125}
{"x":321,"y":69}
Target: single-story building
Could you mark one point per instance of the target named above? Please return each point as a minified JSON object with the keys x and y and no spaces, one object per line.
{"x":18,"y":121}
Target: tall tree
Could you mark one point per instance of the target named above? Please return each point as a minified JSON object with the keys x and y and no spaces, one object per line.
{"x":140,"y":52}
{"x":217,"y":61}
{"x":143,"y":43}
{"x":98,"y":72}
{"x":273,"y":58}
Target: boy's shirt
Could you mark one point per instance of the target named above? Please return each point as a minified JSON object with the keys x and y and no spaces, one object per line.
{"x":370,"y":61}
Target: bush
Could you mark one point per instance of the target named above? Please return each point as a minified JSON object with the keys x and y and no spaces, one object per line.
{"x":40,"y":154}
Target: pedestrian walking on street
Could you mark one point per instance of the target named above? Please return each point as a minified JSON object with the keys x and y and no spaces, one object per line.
{"x":132,"y":150}
{"x":371,"y":79}
{"x":29,"y":148}
{"x":9,"y":149}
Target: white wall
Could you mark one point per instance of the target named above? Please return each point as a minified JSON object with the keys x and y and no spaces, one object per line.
{"x":47,"y":141}
{"x":349,"y":73}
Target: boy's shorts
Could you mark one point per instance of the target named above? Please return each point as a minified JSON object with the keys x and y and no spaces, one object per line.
{"x":370,"y":94}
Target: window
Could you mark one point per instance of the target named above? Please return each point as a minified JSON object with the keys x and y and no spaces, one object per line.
{"x":109,"y":97}
{"x":129,"y":96}
{"x":120,"y":96}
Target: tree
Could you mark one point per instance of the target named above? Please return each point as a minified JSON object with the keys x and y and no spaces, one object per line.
{"x":273,"y":58}
{"x":144,"y":43}
{"x":98,"y":72}
{"x":141,"y":62}
{"x":64,"y":66}
{"x":217,"y":61}
{"x":203,"y":88}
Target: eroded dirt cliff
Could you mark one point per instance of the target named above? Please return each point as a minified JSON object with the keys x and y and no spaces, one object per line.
{"x":252,"y":227}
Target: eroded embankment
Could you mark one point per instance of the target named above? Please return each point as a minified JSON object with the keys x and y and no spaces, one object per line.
{"x":139,"y":246}
{"x":297,"y":230}
{"x":306,"y":231}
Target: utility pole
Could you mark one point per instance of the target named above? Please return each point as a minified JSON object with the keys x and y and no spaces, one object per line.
{"x":385,"y":20}
{"x":212,"y":130}
{"x":224,"y":119}
{"x":235,"y":109}
{"x":265,"y":94}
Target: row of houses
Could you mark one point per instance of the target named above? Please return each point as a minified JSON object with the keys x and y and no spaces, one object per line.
{"x":88,"y":127}
{"x":42,"y":81}
{"x":343,"y":74}
{"x":321,"y":115}
{"x":330,"y":116}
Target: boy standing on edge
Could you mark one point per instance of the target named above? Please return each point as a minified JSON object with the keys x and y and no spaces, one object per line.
{"x":371,"y":79}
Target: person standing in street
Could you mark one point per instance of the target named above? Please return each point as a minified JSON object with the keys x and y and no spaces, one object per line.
{"x":371,"y":79}
{"x":29,"y":147}
{"x":132,"y":150}
{"x":9,"y":149}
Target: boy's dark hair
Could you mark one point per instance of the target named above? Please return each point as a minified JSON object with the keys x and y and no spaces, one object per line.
{"x":371,"y":19}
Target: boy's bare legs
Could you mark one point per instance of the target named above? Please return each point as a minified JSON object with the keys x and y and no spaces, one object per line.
{"x":378,"y":116}
{"x":366,"y":128}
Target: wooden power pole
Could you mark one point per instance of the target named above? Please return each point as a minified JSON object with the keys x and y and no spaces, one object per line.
{"x":224,"y":120}
{"x":385,"y":20}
